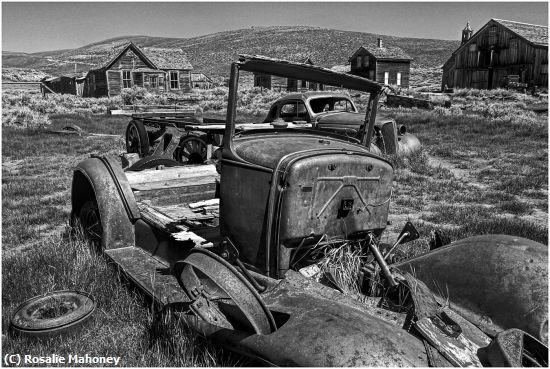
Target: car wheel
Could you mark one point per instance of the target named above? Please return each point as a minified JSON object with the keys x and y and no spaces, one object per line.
{"x":137,"y":140}
{"x":55,"y":313}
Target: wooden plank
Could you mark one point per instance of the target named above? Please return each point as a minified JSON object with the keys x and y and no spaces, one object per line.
{"x":159,"y":220}
{"x":187,"y":194}
{"x":461,"y":350}
{"x":200,"y":204}
{"x":180,"y":212}
{"x":171,"y":197}
{"x":149,"y":274}
{"x":178,"y":232}
{"x":171,"y":183}
{"x":153,"y":175}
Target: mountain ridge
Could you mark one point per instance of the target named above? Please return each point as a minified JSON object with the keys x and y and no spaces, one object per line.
{"x":212,"y":53}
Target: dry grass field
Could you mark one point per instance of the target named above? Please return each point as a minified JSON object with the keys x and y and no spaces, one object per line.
{"x":476,"y":174}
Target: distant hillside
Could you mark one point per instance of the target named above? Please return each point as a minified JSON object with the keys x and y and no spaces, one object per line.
{"x":211,"y":54}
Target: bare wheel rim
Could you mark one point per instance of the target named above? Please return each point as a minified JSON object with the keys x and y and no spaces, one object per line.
{"x":193,"y":150}
{"x":90,"y":221}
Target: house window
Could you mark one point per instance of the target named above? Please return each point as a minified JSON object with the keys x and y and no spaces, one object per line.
{"x":399,"y":78}
{"x":544,"y":68}
{"x":154,"y":81}
{"x":473,"y":48}
{"x":359,"y":62}
{"x":174,"y":81}
{"x":492,"y":35}
{"x":365,"y":61}
{"x":386,"y":78}
{"x":126,"y":79}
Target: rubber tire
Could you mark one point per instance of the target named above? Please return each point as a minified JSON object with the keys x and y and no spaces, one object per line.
{"x":143,"y":139}
{"x":88,"y":211}
{"x":194,"y":157}
{"x":23,"y":323}
{"x":152,"y":162}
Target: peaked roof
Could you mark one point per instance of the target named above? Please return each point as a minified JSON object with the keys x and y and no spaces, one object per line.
{"x":531,"y":32}
{"x":167,"y":58}
{"x":156,"y":58}
{"x":385,"y":52}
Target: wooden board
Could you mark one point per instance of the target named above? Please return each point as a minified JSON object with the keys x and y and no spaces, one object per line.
{"x":460,"y":351}
{"x":177,"y":195}
{"x":149,"y":274}
{"x":172,"y":183}
{"x":164,"y":222}
{"x":190,"y":171}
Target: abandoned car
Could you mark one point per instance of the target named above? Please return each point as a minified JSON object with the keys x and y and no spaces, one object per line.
{"x":253,"y":258}
{"x":336,"y":112}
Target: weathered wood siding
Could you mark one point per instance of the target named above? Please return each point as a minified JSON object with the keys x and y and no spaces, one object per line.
{"x":491,"y":55}
{"x":129,"y":60}
{"x":114,"y":79}
{"x":393,"y":67}
{"x":364,"y":67}
{"x":185,"y":80}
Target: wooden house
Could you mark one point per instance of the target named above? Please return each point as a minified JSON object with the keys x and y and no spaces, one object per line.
{"x":201,"y":81}
{"x":61,"y":85}
{"x":156,"y":69}
{"x":501,"y":48}
{"x":288,"y":84}
{"x":385,"y":64}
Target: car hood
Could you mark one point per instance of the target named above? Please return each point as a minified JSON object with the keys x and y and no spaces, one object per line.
{"x":347,"y":118}
{"x":268,"y":149}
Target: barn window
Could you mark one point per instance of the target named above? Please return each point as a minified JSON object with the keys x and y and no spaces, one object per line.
{"x":473,"y":48}
{"x":174,"y":80}
{"x":386,"y":78}
{"x":544,"y":68}
{"x":493,"y":35}
{"x":399,"y":78}
{"x":126,"y":79}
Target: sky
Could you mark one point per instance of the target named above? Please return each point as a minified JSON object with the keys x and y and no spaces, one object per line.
{"x":44,"y":26}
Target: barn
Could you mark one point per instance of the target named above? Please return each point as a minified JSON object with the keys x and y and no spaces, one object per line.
{"x":500,"y":49}
{"x":156,"y":69}
{"x":385,"y":64}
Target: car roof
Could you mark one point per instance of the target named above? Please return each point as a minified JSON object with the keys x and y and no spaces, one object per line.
{"x":311,"y":94}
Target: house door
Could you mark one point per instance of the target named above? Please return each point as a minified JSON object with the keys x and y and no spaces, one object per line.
{"x":490,"y":79}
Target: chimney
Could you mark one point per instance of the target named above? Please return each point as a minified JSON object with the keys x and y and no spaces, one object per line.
{"x":379,"y":43}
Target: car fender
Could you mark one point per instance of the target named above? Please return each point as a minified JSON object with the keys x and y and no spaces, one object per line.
{"x":497,"y":282}
{"x":101,"y":178}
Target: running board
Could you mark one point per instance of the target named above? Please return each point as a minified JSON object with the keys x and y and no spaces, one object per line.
{"x":149,"y":275}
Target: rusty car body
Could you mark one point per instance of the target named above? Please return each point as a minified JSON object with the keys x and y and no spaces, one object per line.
{"x":233,"y":254}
